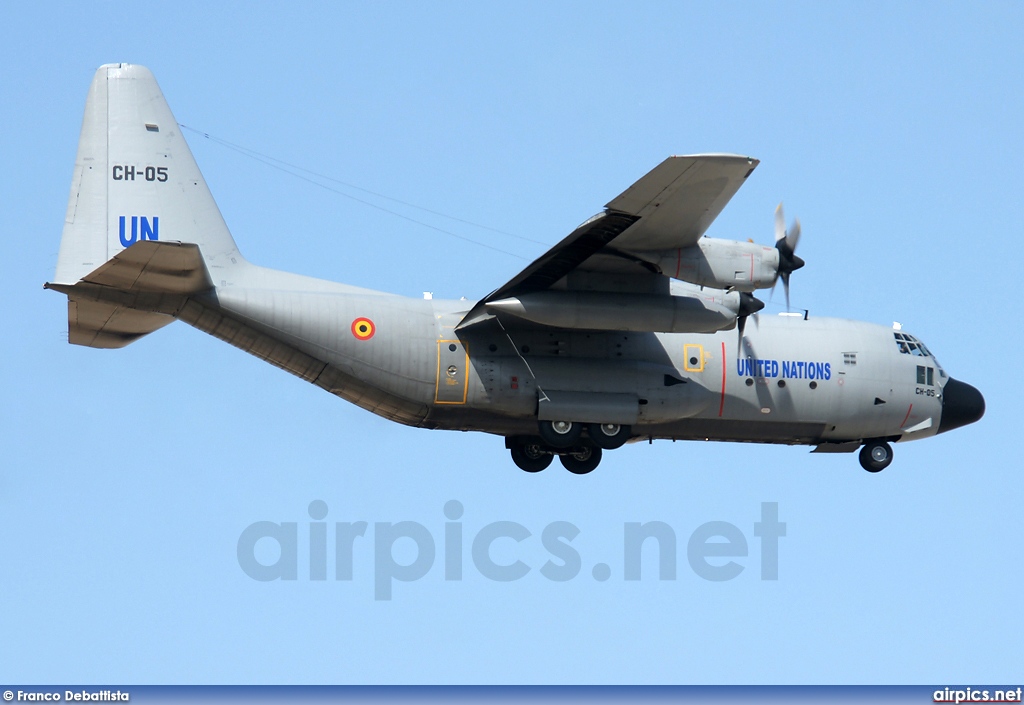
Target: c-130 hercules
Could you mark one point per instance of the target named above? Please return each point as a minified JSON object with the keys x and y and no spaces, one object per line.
{"x":634,"y":327}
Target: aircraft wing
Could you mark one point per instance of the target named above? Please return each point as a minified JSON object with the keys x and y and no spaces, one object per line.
{"x":670,"y":207}
{"x":581,"y":245}
{"x":678,"y":199}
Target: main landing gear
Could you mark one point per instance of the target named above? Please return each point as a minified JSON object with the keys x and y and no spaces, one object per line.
{"x":582,"y":459}
{"x":529,"y":454}
{"x":578,"y":446}
{"x":875,"y":456}
{"x":566,"y":434}
{"x":533,"y":455}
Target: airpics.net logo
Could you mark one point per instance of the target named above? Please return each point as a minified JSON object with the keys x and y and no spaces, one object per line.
{"x":269,"y":551}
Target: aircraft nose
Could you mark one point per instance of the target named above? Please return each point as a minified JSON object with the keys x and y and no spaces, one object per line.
{"x":961,"y":404}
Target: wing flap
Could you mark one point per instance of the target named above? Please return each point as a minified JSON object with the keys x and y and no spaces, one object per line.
{"x":570,"y":253}
{"x":585,"y":241}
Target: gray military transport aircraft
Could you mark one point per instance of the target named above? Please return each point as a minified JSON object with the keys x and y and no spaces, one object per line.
{"x":634,"y":327}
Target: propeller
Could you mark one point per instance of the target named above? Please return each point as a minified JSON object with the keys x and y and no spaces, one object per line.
{"x":785,"y":243}
{"x":748,"y":304}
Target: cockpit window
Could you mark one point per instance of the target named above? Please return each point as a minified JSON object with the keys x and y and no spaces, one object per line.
{"x":909,"y":345}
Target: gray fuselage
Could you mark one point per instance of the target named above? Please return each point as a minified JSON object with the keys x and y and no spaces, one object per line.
{"x":796,"y":379}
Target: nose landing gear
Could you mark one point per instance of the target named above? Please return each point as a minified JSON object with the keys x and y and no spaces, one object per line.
{"x":875,"y":456}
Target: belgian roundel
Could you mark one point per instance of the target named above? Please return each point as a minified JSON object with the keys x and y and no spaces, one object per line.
{"x":363,"y":328}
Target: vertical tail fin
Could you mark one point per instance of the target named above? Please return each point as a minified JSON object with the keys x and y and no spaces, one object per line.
{"x":135,"y":179}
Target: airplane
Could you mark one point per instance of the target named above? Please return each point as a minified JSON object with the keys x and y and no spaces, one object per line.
{"x":635,"y":327}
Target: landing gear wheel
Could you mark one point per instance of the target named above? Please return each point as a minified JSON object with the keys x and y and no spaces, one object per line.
{"x":608,"y":435}
{"x":560,"y":434}
{"x":582,"y":459}
{"x":530,"y":456}
{"x":875,"y":456}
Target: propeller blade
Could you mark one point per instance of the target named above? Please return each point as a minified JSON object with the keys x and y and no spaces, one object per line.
{"x":749,"y":304}
{"x":786,"y":243}
{"x":793,"y":236}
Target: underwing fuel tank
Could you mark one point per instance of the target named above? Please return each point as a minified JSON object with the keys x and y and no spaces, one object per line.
{"x":639,"y":313}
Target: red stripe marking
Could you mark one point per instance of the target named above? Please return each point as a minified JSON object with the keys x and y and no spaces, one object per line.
{"x":721,"y":404}
{"x":907,"y":416}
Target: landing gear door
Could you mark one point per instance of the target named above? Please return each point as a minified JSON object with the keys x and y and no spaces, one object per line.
{"x":452,"y":372}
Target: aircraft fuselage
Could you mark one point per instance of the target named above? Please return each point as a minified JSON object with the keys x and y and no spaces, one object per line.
{"x":796,"y":380}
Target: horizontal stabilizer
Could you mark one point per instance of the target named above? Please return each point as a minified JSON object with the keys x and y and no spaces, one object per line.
{"x":135,"y":293}
{"x":97,"y":324}
{"x":165,"y":267}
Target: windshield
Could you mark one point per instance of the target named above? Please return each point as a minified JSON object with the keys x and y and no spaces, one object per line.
{"x":909,"y":345}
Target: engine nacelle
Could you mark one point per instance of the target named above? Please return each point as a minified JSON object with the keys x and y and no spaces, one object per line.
{"x":721,"y":264}
{"x":710,"y":311}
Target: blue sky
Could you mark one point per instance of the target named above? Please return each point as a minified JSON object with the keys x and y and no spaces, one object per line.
{"x":128,"y":476}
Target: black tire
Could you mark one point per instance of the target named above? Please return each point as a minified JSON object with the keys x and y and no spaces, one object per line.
{"x":875,"y":456}
{"x":560,"y":434}
{"x":608,"y":435}
{"x":530,"y":456}
{"x":582,"y":459}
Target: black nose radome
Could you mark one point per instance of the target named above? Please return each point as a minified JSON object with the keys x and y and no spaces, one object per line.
{"x":961,"y":404}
